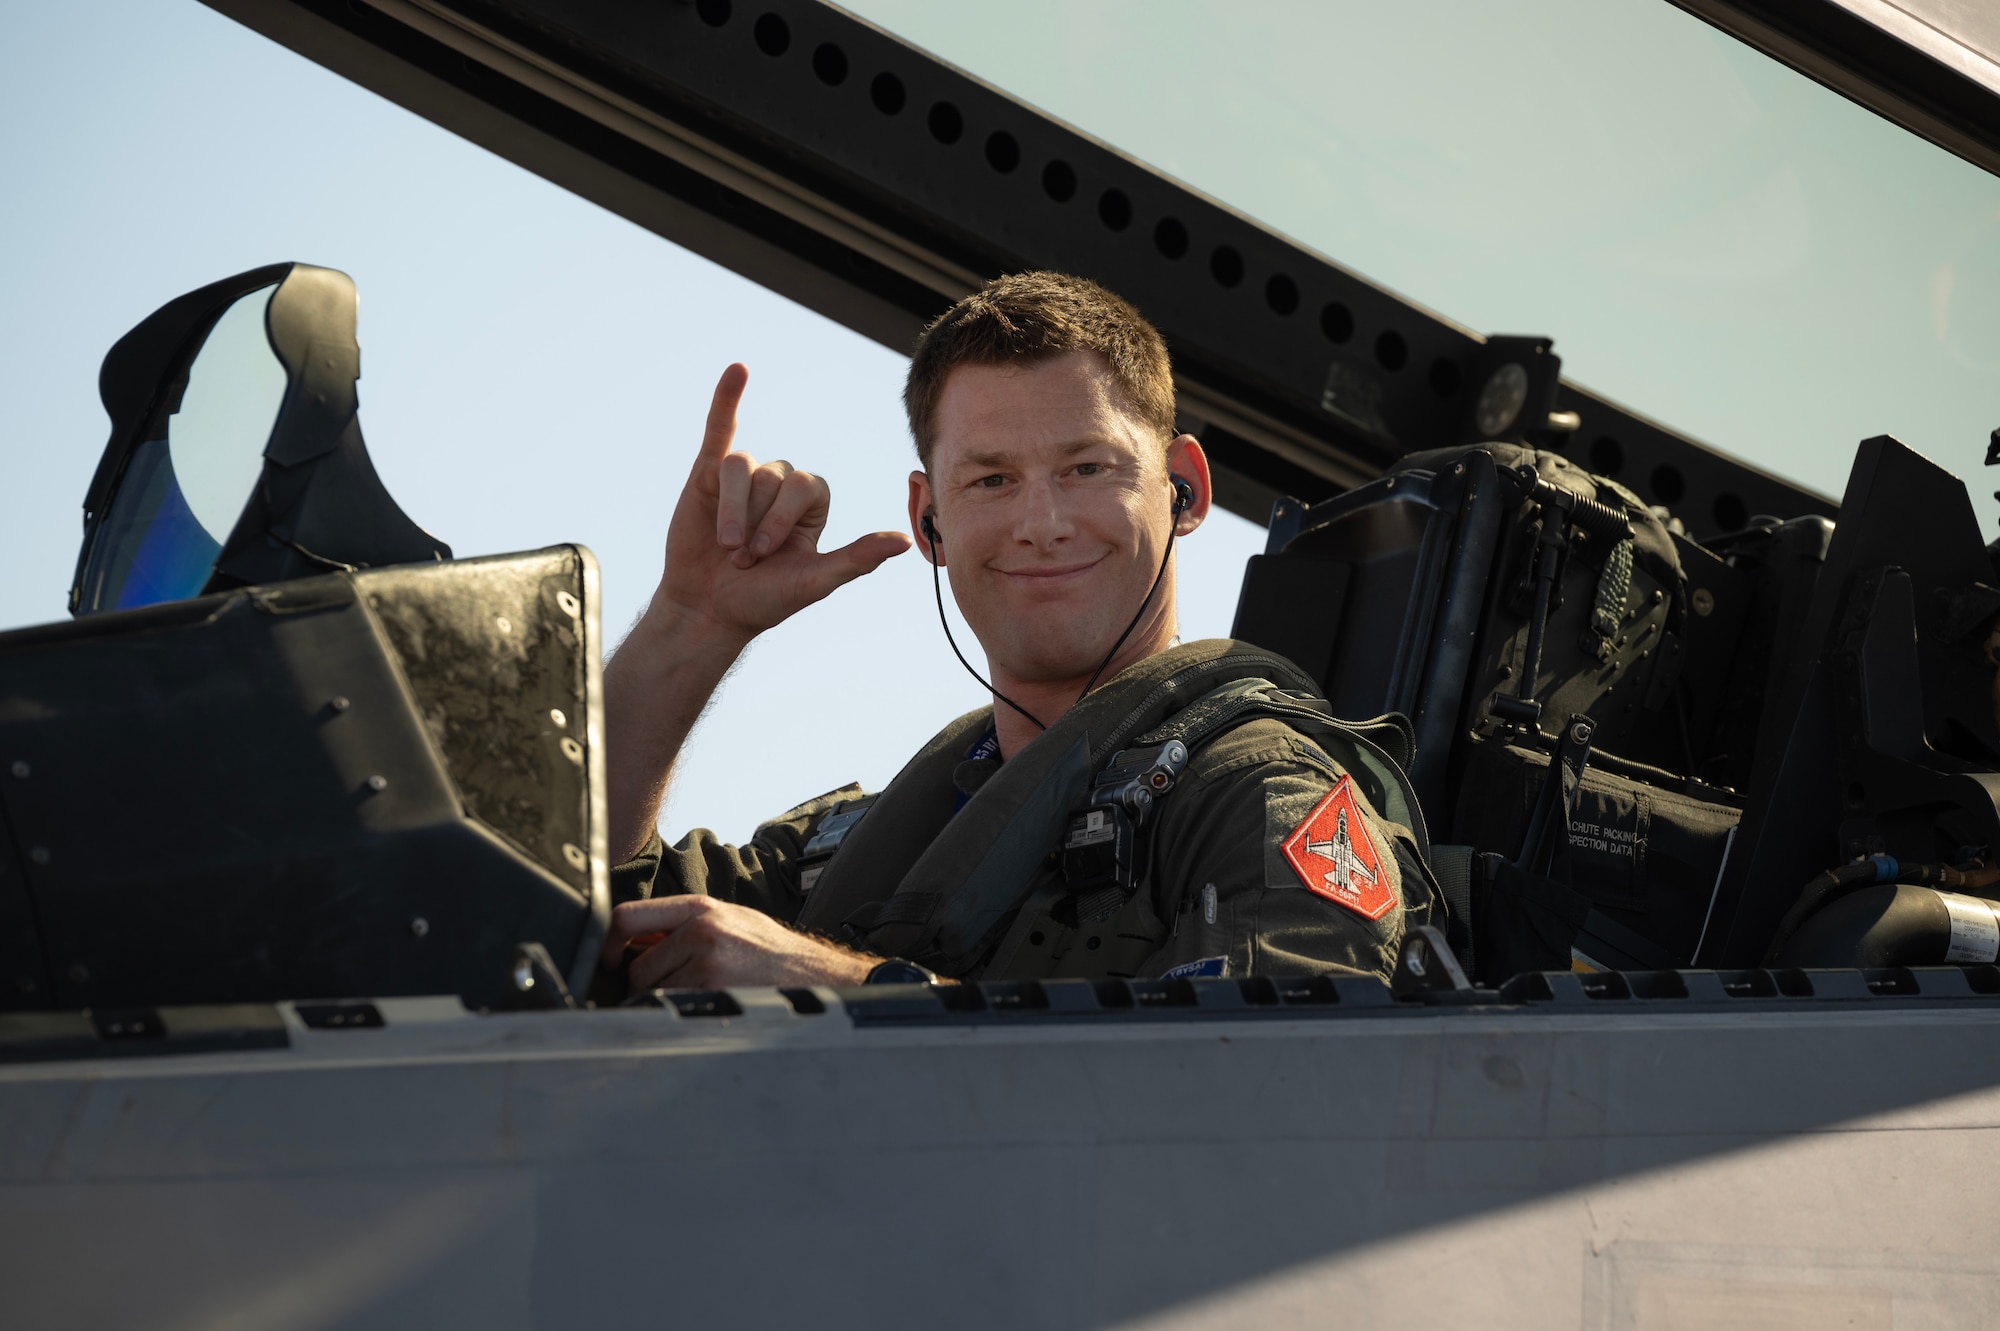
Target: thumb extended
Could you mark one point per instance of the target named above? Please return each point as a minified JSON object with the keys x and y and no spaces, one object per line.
{"x":836,"y":568}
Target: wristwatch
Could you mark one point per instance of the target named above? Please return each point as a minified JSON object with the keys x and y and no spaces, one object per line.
{"x":897,"y":971}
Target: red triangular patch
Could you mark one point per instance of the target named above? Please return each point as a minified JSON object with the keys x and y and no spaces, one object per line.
{"x":1333,"y":855}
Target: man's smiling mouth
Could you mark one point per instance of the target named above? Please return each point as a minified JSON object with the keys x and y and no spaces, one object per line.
{"x":1052,"y":575}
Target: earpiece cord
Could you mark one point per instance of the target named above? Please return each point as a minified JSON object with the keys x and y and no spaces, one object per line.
{"x":937,"y":589}
{"x":1182,"y":499}
{"x":1102,"y":665}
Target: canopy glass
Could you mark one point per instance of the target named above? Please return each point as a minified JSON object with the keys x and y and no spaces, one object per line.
{"x":1710,"y":238}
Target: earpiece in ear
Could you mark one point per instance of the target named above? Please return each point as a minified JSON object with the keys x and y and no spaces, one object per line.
{"x":930,"y":529}
{"x":1183,"y":495}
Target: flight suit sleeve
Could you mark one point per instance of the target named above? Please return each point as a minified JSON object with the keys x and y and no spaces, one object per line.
{"x":762,"y":873}
{"x":1237,"y":903}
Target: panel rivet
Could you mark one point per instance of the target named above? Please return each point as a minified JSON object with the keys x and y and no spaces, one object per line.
{"x":39,"y":854}
{"x":506,"y":624}
{"x":378,"y":782}
{"x":339,"y":703}
{"x":420,"y":926}
{"x":575,"y":855}
{"x":570,"y":605}
{"x":20,"y":769}
{"x":556,"y":715}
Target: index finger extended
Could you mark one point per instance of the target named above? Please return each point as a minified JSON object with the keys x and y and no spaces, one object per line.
{"x":721,"y":429}
{"x":655,"y":915}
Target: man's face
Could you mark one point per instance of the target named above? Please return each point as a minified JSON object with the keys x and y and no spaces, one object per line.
{"x":1053,"y":503}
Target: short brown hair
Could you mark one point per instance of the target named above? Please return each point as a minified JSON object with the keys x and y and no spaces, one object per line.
{"x":1029,"y":317}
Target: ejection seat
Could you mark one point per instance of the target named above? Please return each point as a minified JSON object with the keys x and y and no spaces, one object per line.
{"x":1524,"y":616}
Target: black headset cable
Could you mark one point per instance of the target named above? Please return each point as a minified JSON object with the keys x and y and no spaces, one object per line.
{"x":937,"y":589}
{"x":1137,"y":615}
{"x":1183,"y":500}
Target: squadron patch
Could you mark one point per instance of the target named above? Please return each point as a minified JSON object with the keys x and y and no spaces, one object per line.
{"x":1333,"y":855}
{"x":1205,"y":969}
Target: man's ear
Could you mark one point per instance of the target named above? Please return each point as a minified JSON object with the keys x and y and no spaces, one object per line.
{"x":921,"y":503}
{"x":1186,"y":460}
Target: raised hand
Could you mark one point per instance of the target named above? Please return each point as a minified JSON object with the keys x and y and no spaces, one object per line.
{"x":742,"y":556}
{"x":743,"y":546}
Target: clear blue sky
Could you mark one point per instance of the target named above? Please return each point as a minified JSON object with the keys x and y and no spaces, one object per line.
{"x":1708,"y":237}
{"x":535,"y":370}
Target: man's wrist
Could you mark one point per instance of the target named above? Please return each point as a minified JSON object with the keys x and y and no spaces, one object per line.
{"x":820,"y":960}
{"x":851,"y":969}
{"x":688,"y":634}
{"x":680,"y":650}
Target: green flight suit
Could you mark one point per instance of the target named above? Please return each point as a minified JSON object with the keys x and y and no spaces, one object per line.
{"x":977,"y":892}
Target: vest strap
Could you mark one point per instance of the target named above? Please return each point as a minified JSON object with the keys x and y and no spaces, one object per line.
{"x":960,"y":877}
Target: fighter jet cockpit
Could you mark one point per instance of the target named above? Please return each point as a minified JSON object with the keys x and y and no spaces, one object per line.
{"x":1633,"y":748}
{"x":1676,"y":696}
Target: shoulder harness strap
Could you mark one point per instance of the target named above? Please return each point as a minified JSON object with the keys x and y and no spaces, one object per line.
{"x":1101,"y":850}
{"x":959,"y":890}
{"x":1385,"y":744}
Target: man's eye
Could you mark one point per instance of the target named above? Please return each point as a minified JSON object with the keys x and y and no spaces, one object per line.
{"x":990,"y":482}
{"x":1089,"y":468}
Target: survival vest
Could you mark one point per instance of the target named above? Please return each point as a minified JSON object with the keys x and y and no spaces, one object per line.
{"x":957,"y":892}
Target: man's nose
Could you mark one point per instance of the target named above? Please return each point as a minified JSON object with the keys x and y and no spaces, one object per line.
{"x":1043,"y":520}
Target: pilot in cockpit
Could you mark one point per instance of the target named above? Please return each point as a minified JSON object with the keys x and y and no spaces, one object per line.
{"x":1129,"y":805}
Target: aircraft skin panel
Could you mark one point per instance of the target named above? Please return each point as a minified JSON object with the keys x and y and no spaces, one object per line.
{"x":1654,"y":1149}
{"x":1414,"y":1168}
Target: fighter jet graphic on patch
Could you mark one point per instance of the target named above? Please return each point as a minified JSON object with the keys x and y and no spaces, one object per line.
{"x":1347,"y":866}
{"x":1333,"y":855}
